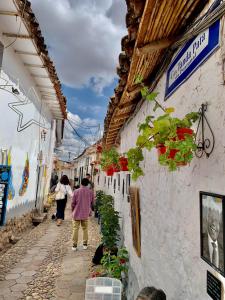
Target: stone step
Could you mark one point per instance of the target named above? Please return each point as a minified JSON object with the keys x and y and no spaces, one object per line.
{"x":37,"y":219}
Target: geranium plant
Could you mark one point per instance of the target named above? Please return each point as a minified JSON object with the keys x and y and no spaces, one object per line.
{"x":110,"y":161}
{"x":173,"y":137}
{"x":116,"y":265}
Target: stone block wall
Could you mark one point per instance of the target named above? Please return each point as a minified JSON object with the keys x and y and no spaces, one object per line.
{"x":13,"y":228}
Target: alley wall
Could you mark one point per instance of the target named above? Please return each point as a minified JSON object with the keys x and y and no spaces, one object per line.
{"x":169,"y":201}
{"x":21,"y":142}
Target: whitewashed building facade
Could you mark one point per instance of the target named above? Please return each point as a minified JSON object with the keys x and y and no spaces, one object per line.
{"x":169,"y":201}
{"x":32,"y":109}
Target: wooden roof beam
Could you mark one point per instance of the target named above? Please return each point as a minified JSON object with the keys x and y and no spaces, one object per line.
{"x":26,"y":53}
{"x":15,"y":35}
{"x":9,"y":13}
{"x":34,"y":65}
{"x":40,"y":76}
{"x":155,"y":46}
{"x":122,"y":116}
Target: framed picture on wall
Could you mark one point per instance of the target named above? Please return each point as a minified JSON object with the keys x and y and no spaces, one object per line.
{"x":212,"y":230}
{"x":135,"y":219}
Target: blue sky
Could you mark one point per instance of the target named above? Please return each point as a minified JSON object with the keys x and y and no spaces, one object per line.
{"x":87,"y":103}
{"x":84,"y":41}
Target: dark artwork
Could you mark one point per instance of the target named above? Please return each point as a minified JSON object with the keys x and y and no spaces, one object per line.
{"x":212,"y":230}
{"x":213,"y":286}
{"x":135,"y":219}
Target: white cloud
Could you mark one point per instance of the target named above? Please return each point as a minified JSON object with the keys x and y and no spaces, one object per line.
{"x":71,"y":142}
{"x":84,"y":38}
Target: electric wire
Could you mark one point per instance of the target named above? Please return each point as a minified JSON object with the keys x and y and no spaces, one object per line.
{"x":22,"y":15}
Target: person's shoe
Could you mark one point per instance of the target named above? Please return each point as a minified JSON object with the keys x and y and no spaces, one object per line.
{"x":74,"y":248}
{"x":58,"y":222}
{"x":85,"y":247}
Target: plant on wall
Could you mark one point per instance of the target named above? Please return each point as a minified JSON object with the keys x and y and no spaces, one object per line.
{"x":172,"y":137}
{"x":110,"y":161}
{"x":109,"y":221}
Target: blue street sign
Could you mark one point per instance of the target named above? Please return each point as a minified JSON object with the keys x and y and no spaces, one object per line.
{"x":191,"y":56}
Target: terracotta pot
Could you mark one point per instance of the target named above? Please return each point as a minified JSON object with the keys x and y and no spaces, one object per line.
{"x":116,"y":168}
{"x":123,"y":161}
{"x":99,"y":149}
{"x":110,"y":171}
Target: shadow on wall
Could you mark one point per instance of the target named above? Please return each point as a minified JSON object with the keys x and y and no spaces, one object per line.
{"x":133,"y":287}
{"x":20,"y":209}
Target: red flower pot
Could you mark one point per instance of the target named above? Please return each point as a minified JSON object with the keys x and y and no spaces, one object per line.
{"x":110,"y":171}
{"x":99,"y":149}
{"x":116,"y":168}
{"x":181,"y":132}
{"x":123,"y":161}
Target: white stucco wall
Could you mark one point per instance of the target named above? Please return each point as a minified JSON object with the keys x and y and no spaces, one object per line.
{"x":170,"y":222}
{"x":29,"y":140}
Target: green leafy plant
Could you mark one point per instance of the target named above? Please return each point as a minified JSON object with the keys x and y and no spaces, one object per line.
{"x":115,"y":265}
{"x":109,"y":158}
{"x":174,"y":148}
{"x":109,"y":222}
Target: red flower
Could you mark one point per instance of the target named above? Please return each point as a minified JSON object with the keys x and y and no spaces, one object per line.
{"x":122,"y":261}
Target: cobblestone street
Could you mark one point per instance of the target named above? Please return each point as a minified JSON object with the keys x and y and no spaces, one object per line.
{"x":42,"y":265}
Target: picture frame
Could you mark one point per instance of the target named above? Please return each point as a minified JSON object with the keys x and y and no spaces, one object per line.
{"x":212,"y":230}
{"x":135,"y":219}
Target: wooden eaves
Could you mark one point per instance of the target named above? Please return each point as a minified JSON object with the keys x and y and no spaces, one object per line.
{"x":153,"y":26}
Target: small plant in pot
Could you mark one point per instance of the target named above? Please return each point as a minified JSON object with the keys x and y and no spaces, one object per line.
{"x":109,"y":161}
{"x":116,"y":266}
{"x":172,"y":137}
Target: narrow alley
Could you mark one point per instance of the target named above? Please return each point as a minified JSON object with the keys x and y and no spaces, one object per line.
{"x":112,"y":123}
{"x":42,"y":264}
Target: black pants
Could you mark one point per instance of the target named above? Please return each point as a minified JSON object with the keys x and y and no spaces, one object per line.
{"x":60,"y":208}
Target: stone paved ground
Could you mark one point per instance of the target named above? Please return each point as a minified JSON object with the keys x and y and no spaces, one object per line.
{"x":43,"y":266}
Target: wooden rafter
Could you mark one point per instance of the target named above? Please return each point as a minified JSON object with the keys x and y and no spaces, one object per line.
{"x":9,"y":13}
{"x":34,"y":65}
{"x":15,"y":35}
{"x":26,"y":53}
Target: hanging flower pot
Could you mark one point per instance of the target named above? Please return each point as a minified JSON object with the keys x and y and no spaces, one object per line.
{"x":123,"y":161}
{"x":181,"y":132}
{"x":110,"y":171}
{"x":99,"y":149}
{"x":116,"y":168}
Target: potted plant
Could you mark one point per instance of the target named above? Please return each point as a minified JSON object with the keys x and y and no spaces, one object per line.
{"x":116,"y":266}
{"x":99,"y":149}
{"x":123,"y":162}
{"x":109,"y":161}
{"x":172,"y":137}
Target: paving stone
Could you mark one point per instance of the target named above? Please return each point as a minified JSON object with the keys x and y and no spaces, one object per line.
{"x":24,"y":279}
{"x":5,"y":291}
{"x":12,"y":276}
{"x":28,"y":273}
{"x":17,"y":270}
{"x":7,"y":283}
{"x":19,"y":287}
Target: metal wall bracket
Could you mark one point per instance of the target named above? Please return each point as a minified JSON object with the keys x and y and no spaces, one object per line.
{"x":204,"y":139}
